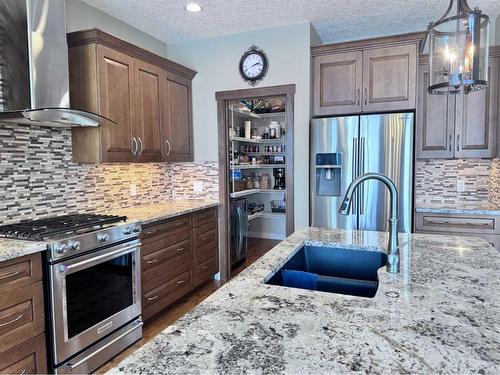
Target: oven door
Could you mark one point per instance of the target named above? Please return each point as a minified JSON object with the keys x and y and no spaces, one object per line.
{"x":92,"y":296}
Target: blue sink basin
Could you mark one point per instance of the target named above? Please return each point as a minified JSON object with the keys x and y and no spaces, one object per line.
{"x":333,"y":270}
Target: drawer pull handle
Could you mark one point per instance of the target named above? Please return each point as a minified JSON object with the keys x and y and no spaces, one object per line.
{"x":179,"y":224}
{"x":446,"y":222}
{"x":180,"y":282}
{"x":11,"y":274}
{"x":153,"y":298}
{"x":11,"y":321}
{"x":204,"y":268}
{"x":152,"y":261}
{"x":203,"y":238}
{"x":151,"y":232}
{"x":23,"y":372}
{"x":180,"y":249}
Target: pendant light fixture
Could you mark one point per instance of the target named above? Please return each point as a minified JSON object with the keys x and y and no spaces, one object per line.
{"x":458,"y":50}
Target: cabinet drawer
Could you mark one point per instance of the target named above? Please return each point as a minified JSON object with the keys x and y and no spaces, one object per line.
{"x":151,"y":232}
{"x":205,"y":217}
{"x":206,"y":246}
{"x":28,"y":358}
{"x":166,"y":240}
{"x":18,"y":272}
{"x":206,"y":270}
{"x":178,"y":250}
{"x":458,"y":224}
{"x":21,"y":315}
{"x":159,"y":298}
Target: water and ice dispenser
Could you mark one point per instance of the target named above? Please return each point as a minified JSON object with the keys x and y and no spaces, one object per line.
{"x":328,"y":174}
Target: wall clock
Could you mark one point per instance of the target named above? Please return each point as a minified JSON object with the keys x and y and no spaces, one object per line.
{"x":253,"y":65}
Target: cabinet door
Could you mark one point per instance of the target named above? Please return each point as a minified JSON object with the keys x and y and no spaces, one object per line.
{"x":435,"y":121}
{"x":177,"y":127}
{"x":389,"y":78}
{"x":337,"y":83}
{"x":149,"y":80}
{"x":116,"y":92}
{"x":476,"y":121}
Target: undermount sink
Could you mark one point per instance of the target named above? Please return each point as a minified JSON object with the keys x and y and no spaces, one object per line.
{"x":333,"y":270}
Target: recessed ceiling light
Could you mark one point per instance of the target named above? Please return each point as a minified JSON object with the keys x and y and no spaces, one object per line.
{"x":193,"y":7}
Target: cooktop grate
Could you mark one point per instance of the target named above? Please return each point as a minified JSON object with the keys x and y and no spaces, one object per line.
{"x":43,"y":229}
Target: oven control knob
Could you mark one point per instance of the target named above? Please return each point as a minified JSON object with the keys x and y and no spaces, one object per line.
{"x":103,"y":237}
{"x":127,"y":231}
{"x":74,"y":245}
{"x":136,"y":228}
{"x":61,"y":248}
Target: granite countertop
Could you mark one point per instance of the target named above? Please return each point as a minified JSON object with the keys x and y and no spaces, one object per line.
{"x":145,"y":214}
{"x":440,"y":314}
{"x":460,"y":208}
{"x":10,"y":249}
{"x":151,"y":213}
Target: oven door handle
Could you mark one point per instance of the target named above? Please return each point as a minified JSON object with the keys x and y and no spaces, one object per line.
{"x":99,"y":258}
{"x":83,"y":360}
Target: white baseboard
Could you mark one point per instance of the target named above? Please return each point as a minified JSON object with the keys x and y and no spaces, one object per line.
{"x":266,"y":235}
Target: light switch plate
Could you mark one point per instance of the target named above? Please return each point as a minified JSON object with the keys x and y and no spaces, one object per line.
{"x":198,"y":186}
{"x":460,"y":185}
{"x":133,"y":189}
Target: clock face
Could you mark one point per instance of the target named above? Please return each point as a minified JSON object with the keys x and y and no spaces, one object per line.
{"x":253,"y":65}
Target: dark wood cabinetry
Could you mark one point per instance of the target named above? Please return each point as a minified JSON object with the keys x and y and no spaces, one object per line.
{"x":178,"y":129}
{"x":177,"y":255}
{"x":22,"y":320}
{"x":148,"y":97}
{"x":374,"y":75}
{"x":459,"y":126}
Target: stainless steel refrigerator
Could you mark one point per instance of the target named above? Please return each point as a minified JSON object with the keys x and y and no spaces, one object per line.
{"x":239,"y":231}
{"x":343,"y":148}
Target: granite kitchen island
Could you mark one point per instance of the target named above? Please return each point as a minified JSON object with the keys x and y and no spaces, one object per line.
{"x":440,"y":314}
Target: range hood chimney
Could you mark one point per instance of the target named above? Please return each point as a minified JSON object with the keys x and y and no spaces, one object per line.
{"x":34,"y":77}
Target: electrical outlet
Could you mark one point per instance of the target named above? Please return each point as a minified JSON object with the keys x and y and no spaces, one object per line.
{"x":133,"y":189}
{"x":198,"y":186}
{"x":460,"y":185}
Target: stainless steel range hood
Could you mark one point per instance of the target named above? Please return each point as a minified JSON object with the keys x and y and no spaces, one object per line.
{"x":34,"y":77}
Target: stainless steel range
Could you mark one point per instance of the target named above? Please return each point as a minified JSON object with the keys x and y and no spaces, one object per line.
{"x":93,"y":286}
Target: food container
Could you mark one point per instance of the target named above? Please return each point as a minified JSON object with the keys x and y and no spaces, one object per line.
{"x":278,"y":206}
{"x":248,"y":129}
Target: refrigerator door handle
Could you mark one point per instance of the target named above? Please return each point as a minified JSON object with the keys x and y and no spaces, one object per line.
{"x":361,"y":172}
{"x":354,"y":172}
{"x":240,"y":219}
{"x":237,"y":232}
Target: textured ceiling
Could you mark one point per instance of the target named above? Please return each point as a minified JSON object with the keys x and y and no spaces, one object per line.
{"x":334,"y":20}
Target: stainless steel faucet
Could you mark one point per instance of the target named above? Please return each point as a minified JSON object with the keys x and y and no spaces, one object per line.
{"x":393,"y":246}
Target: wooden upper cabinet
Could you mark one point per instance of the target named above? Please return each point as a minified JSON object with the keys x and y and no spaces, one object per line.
{"x":458,"y":126}
{"x":375,"y":75}
{"x":435,"y":121}
{"x":338,"y":83}
{"x":177,"y":130}
{"x":389,"y":78}
{"x":149,"y":80}
{"x":116,"y":102}
{"x":477,"y":117}
{"x":149,"y":98}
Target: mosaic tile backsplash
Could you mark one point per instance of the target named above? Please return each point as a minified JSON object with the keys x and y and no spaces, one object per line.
{"x":436,"y":181}
{"x":495,"y":182}
{"x":38,"y":177}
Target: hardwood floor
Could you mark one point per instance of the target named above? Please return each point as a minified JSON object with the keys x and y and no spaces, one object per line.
{"x":257,"y":247}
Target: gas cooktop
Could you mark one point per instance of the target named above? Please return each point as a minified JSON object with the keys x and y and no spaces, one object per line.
{"x":58,"y":226}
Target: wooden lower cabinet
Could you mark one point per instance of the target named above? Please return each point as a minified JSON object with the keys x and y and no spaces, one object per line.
{"x":177,"y":255}
{"x":29,"y":357}
{"x":22,"y":316}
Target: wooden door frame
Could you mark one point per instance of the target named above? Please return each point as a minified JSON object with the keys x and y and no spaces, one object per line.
{"x":222,"y":98}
